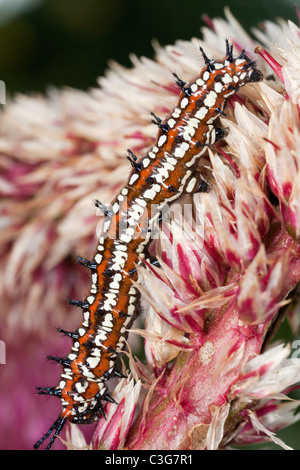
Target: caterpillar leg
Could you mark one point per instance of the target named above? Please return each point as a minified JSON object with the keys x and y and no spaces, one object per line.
{"x":196,"y":184}
{"x":57,"y":426}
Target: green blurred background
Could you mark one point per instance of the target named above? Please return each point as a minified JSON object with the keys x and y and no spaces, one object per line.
{"x":69,"y":42}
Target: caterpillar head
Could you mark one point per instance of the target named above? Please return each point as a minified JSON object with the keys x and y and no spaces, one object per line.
{"x":230,"y":72}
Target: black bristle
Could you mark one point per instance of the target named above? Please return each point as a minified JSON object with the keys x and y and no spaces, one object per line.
{"x":104,"y":209}
{"x":182,"y":84}
{"x":78,"y":303}
{"x":49,"y":391}
{"x":203,"y":187}
{"x":229,"y":49}
{"x":64,"y":361}
{"x":71,"y":334}
{"x":208,"y":62}
{"x":119,"y":374}
{"x":164,"y":127}
{"x":108,"y":398}
{"x":57,"y":426}
{"x":85,"y":262}
{"x":221,"y":132}
{"x":133,"y":160}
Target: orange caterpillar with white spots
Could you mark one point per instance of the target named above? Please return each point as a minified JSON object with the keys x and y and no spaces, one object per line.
{"x":160,"y":176}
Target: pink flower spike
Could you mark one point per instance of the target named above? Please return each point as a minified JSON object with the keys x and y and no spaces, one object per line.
{"x":111,"y":433}
{"x":209,"y":22}
{"x":230,"y":161}
{"x":271,"y":61}
{"x":260,"y":428}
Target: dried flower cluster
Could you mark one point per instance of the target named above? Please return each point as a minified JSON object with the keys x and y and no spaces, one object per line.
{"x":212,"y":376}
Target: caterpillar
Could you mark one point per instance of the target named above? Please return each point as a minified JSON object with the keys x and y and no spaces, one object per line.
{"x":160,"y":176}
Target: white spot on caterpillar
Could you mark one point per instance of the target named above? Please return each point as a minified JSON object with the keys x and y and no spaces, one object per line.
{"x":161,"y":175}
{"x":101,"y":336}
{"x":115,"y":207}
{"x":121,"y":247}
{"x":131,"y":309}
{"x":131,"y":221}
{"x":218,"y":87}
{"x":86,"y":315}
{"x":86,"y":372}
{"x":227,"y":78}
{"x":106,"y":328}
{"x":205,"y":76}
{"x":90,"y":299}
{"x":82,"y":408}
{"x":67,"y":376}
{"x":106,"y":225}
{"x":171,"y":123}
{"x":188,"y":133}
{"x":184,"y":102}
{"x":149,"y":194}
{"x":218,"y":66}
{"x":125,"y":238}
{"x":133,"y":178}
{"x":229,"y":94}
{"x":137,"y":210}
{"x":107,"y":323}
{"x":130,"y":231}
{"x":161,"y":140}
{"x":172,"y":160}
{"x":96,"y":352}
{"x":118,"y":277}
{"x":193,"y":122}
{"x":146,"y":162}
{"x":199,"y":81}
{"x":93,"y":289}
{"x":210,"y":99}
{"x":114,"y":285}
{"x":110,"y":296}
{"x":191,"y":184}
{"x":201,"y":113}
{"x":141,"y":202}
{"x":81,"y":388}
{"x":180,"y":151}
{"x":98,"y":258}
{"x":93,"y":361}
{"x":176,"y":113}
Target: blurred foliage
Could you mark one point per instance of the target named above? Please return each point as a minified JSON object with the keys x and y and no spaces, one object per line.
{"x":69,"y":42}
